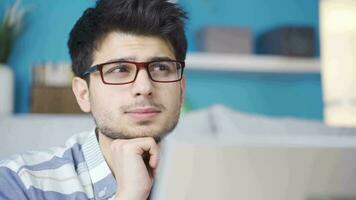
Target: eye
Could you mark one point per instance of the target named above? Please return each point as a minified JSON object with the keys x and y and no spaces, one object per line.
{"x":161,"y":67}
{"x":122,"y":68}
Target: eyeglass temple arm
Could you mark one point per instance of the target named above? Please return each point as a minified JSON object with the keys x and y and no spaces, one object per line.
{"x":91,"y":70}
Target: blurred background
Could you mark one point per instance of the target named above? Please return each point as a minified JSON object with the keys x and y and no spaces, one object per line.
{"x":292,"y":59}
{"x":255,"y":56}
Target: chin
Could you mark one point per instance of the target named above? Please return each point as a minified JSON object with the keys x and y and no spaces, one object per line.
{"x":147,"y":131}
{"x":135,"y":132}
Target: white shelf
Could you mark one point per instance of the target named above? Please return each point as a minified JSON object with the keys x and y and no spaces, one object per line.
{"x":251,"y":63}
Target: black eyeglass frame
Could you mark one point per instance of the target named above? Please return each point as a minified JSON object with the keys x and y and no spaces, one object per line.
{"x":138,"y":65}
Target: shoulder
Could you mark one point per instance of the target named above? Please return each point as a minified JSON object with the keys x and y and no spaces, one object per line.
{"x":43,"y":170}
{"x":50,"y":158}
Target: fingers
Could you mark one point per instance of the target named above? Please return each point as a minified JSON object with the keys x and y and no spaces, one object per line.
{"x":154,"y":159}
{"x":138,"y":146}
{"x":155,"y":172}
{"x":134,"y":163}
{"x":149,"y":145}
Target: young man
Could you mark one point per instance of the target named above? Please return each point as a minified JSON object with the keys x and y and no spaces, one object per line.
{"x":127,"y":56}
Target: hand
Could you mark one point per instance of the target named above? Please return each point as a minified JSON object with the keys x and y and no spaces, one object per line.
{"x":133,"y":175}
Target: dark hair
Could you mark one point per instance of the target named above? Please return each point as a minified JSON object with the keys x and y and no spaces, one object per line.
{"x":142,"y":17}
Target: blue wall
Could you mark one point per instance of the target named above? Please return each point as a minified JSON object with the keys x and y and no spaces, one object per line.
{"x":297,"y":95}
{"x":49,"y":22}
{"x":259,"y":15}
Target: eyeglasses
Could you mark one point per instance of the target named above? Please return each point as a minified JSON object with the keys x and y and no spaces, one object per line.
{"x":124,"y":72}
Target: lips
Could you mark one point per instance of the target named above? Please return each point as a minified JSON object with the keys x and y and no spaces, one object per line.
{"x":144,"y":110}
{"x":143,"y":113}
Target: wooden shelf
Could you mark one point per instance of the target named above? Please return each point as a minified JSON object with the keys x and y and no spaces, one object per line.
{"x":251,"y":63}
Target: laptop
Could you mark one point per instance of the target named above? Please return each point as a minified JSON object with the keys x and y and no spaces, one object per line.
{"x":219,"y":153}
{"x":264,"y":167}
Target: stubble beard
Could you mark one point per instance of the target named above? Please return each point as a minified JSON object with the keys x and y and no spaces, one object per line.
{"x":143,"y":129}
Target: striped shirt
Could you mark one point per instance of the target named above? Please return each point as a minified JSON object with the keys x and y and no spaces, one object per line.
{"x":74,"y":171}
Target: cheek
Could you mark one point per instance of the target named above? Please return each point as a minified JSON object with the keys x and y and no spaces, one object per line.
{"x":106,"y":98}
{"x":172,"y":97}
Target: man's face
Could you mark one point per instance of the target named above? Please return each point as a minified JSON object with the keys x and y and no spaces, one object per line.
{"x":140,"y":109}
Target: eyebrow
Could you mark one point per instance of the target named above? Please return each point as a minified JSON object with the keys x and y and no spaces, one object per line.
{"x":160,"y":58}
{"x":134,"y":59}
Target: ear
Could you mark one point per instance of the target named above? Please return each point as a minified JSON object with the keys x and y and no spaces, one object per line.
{"x":81,"y":91}
{"x":182,"y":90}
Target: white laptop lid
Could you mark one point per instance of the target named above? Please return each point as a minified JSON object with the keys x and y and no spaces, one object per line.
{"x":254,"y":171}
{"x":219,"y":153}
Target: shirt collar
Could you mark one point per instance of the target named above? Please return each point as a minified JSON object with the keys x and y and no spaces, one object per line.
{"x":104,"y":183}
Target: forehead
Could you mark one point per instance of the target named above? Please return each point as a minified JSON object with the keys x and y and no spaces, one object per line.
{"x":118,"y":45}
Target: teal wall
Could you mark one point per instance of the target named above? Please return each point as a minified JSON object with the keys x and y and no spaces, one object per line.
{"x":297,"y":95}
{"x":259,"y":15}
{"x":49,"y":22}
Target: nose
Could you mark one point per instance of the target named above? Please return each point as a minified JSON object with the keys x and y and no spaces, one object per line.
{"x":143,"y":84}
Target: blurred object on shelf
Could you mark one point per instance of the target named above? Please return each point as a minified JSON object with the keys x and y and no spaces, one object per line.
{"x":52,"y":74}
{"x":50,"y":99}
{"x":51,"y":89}
{"x":338,"y":42}
{"x":234,"y":40}
{"x":7,"y":85}
{"x":288,"y":41}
